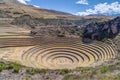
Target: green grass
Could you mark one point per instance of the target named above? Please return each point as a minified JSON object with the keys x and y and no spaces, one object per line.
{"x":104,"y":69}
{"x":108,"y":77}
{"x":84,"y":69}
{"x":2,"y":67}
{"x":72,"y":77}
{"x":15,"y":67}
{"x":32,"y":71}
{"x":117,"y":77}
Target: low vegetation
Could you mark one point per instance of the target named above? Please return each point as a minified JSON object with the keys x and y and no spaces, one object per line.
{"x":27,"y":78}
{"x":64,"y":71}
{"x":104,"y":69}
{"x":106,"y":72}
{"x":72,"y":77}
{"x":32,"y":71}
{"x":15,"y":67}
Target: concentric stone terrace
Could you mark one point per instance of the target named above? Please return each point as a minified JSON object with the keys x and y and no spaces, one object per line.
{"x":65,"y":53}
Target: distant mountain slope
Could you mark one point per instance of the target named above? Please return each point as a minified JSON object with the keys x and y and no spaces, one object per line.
{"x":15,"y":9}
{"x":105,"y":15}
{"x":10,"y":2}
{"x":31,"y":17}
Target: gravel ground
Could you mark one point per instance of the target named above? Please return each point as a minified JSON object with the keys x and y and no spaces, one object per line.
{"x":8,"y":75}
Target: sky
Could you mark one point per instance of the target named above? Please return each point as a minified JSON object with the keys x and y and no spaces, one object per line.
{"x":78,"y":7}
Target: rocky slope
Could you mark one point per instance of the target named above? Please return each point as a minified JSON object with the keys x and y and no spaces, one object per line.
{"x":99,"y":31}
{"x":53,"y":26}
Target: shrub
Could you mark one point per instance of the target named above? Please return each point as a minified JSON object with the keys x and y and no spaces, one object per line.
{"x":27,"y":78}
{"x":31,"y":71}
{"x":16,"y":67}
{"x":64,"y":71}
{"x":104,"y":69}
{"x":2,"y":67}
